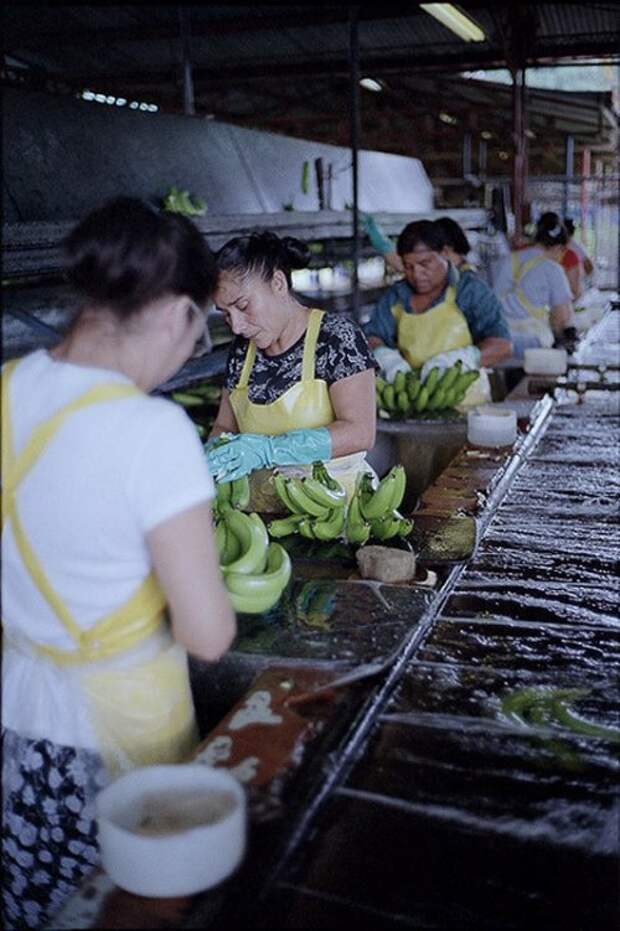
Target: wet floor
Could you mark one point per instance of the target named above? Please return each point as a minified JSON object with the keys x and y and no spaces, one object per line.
{"x":486,"y":796}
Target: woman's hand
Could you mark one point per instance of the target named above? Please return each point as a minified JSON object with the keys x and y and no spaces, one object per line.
{"x":186,"y":563}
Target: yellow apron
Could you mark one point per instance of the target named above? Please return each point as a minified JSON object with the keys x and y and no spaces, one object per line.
{"x":537,"y":321}
{"x":143,"y":712}
{"x":305,"y":405}
{"x":439,"y":329}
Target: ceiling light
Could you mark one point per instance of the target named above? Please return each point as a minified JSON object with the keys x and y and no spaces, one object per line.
{"x":504,"y":156}
{"x":371,"y":85}
{"x":134,"y":105}
{"x":446,"y":118}
{"x":486,"y":134}
{"x":456,"y":21}
{"x":120,"y":101}
{"x":110,"y":99}
{"x":100,"y":98}
{"x":88,"y":95}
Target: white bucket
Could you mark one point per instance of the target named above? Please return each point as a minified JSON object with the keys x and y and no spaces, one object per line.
{"x":492,"y":426}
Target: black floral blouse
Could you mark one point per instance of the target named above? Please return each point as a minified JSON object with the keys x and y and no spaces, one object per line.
{"x":341,"y":351}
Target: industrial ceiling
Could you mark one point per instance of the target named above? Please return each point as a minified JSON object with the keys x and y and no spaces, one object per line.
{"x":285,"y":68}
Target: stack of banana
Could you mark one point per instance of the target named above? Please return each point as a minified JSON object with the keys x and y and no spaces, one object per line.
{"x":255,"y":571}
{"x":317,"y":505}
{"x":373,"y":512}
{"x":318,"y":508}
{"x":408,"y":395}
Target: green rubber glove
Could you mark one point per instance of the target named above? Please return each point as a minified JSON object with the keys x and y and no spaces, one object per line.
{"x":378,"y":239}
{"x":246,"y":452}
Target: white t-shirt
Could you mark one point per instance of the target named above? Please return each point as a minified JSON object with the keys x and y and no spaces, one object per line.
{"x":113,"y":472}
{"x":544,"y":285}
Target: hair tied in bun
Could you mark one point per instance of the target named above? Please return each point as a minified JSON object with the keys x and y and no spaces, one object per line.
{"x":556,"y":231}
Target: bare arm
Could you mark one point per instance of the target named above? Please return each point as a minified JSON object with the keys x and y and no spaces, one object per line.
{"x":186,"y":563}
{"x":353,"y":400}
{"x":225,"y":421}
{"x":561,"y":316}
{"x":575,"y":280}
{"x":494,"y":349}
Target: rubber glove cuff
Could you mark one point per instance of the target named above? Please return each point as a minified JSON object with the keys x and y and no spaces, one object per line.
{"x":378,"y":239}
{"x":246,"y":452}
{"x":468,"y":356}
{"x":390,"y":361}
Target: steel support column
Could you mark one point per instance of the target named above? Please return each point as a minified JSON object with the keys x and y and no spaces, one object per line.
{"x":569,"y":161}
{"x":519,"y":172}
{"x":354,"y":57}
{"x":189,"y":108}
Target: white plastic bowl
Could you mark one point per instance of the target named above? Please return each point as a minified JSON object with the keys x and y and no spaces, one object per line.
{"x":545,"y":361}
{"x":492,"y":426}
{"x":179,"y":860}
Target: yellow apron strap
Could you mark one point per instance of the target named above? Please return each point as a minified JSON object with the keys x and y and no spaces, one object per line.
{"x":7,"y":429}
{"x":312,"y":335}
{"x":247,"y":365}
{"x":45,"y":432}
{"x":518,"y":273}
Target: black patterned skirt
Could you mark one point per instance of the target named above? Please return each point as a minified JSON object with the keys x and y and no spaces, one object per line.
{"x":49,"y":827}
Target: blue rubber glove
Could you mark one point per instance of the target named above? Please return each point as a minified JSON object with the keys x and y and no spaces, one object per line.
{"x":390,"y":361}
{"x":378,"y":239}
{"x":246,"y":452}
{"x":468,"y":356}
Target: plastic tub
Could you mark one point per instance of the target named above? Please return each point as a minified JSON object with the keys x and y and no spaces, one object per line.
{"x":492,"y":426}
{"x":171,"y":830}
{"x":545,"y":361}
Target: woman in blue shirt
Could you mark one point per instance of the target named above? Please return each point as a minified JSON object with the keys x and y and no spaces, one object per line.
{"x":436,"y":315}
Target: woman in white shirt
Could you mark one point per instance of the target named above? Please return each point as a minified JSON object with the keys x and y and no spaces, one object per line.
{"x":106,"y":522}
{"x":535,"y":292}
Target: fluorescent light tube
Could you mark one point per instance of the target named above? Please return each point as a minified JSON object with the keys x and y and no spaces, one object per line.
{"x":453,"y":19}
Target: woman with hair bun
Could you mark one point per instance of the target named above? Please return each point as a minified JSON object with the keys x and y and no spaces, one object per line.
{"x":107,"y":522}
{"x":299,"y":383}
{"x":535,"y":292}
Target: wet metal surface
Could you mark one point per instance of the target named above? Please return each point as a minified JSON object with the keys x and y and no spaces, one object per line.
{"x":459,"y":812}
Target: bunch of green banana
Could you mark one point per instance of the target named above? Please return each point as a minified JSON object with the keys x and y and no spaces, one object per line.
{"x":255,"y":571}
{"x":379,"y":507}
{"x":408,"y":395}
{"x":196,"y":395}
{"x":177,"y":201}
{"x":316,"y":505}
{"x":232,"y":495}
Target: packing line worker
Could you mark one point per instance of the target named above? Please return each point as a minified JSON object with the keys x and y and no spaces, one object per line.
{"x":300,"y":383}
{"x":456,"y":248}
{"x":437,"y":316}
{"x":106,"y":523}
{"x":575,"y":261}
{"x":535,"y":292}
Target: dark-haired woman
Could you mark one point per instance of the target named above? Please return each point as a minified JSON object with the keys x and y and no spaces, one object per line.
{"x":106,"y":510}
{"x":456,"y":247}
{"x":299,"y":383}
{"x":535,"y":291}
{"x":436,"y":316}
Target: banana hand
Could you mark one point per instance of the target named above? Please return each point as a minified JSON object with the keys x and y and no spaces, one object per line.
{"x":296,"y":491}
{"x":254,"y":541}
{"x":331,"y":528}
{"x":357,"y":530}
{"x":272,"y":581}
{"x":284,"y":526}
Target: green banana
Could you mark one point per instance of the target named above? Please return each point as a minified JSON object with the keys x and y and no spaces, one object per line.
{"x":240,"y":492}
{"x":399,"y":382}
{"x":389,"y":398}
{"x":186,"y":399}
{"x":279,"y":483}
{"x":229,"y":546}
{"x":450,"y":376}
{"x":324,"y":489}
{"x":437,"y":401}
{"x":222,"y":495}
{"x":384,"y":528}
{"x":254,"y":541}
{"x":413,"y":387}
{"x":432,"y":379}
{"x":465,"y":379}
{"x":422,"y":400}
{"x":380,"y":383}
{"x":283,"y":527}
{"x":306,"y":528}
{"x":402,"y":402}
{"x":451,"y":396}
{"x":274,"y":578}
{"x":387,"y":496}
{"x":332,"y":527}
{"x":297,"y":493}
{"x":357,"y":530}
